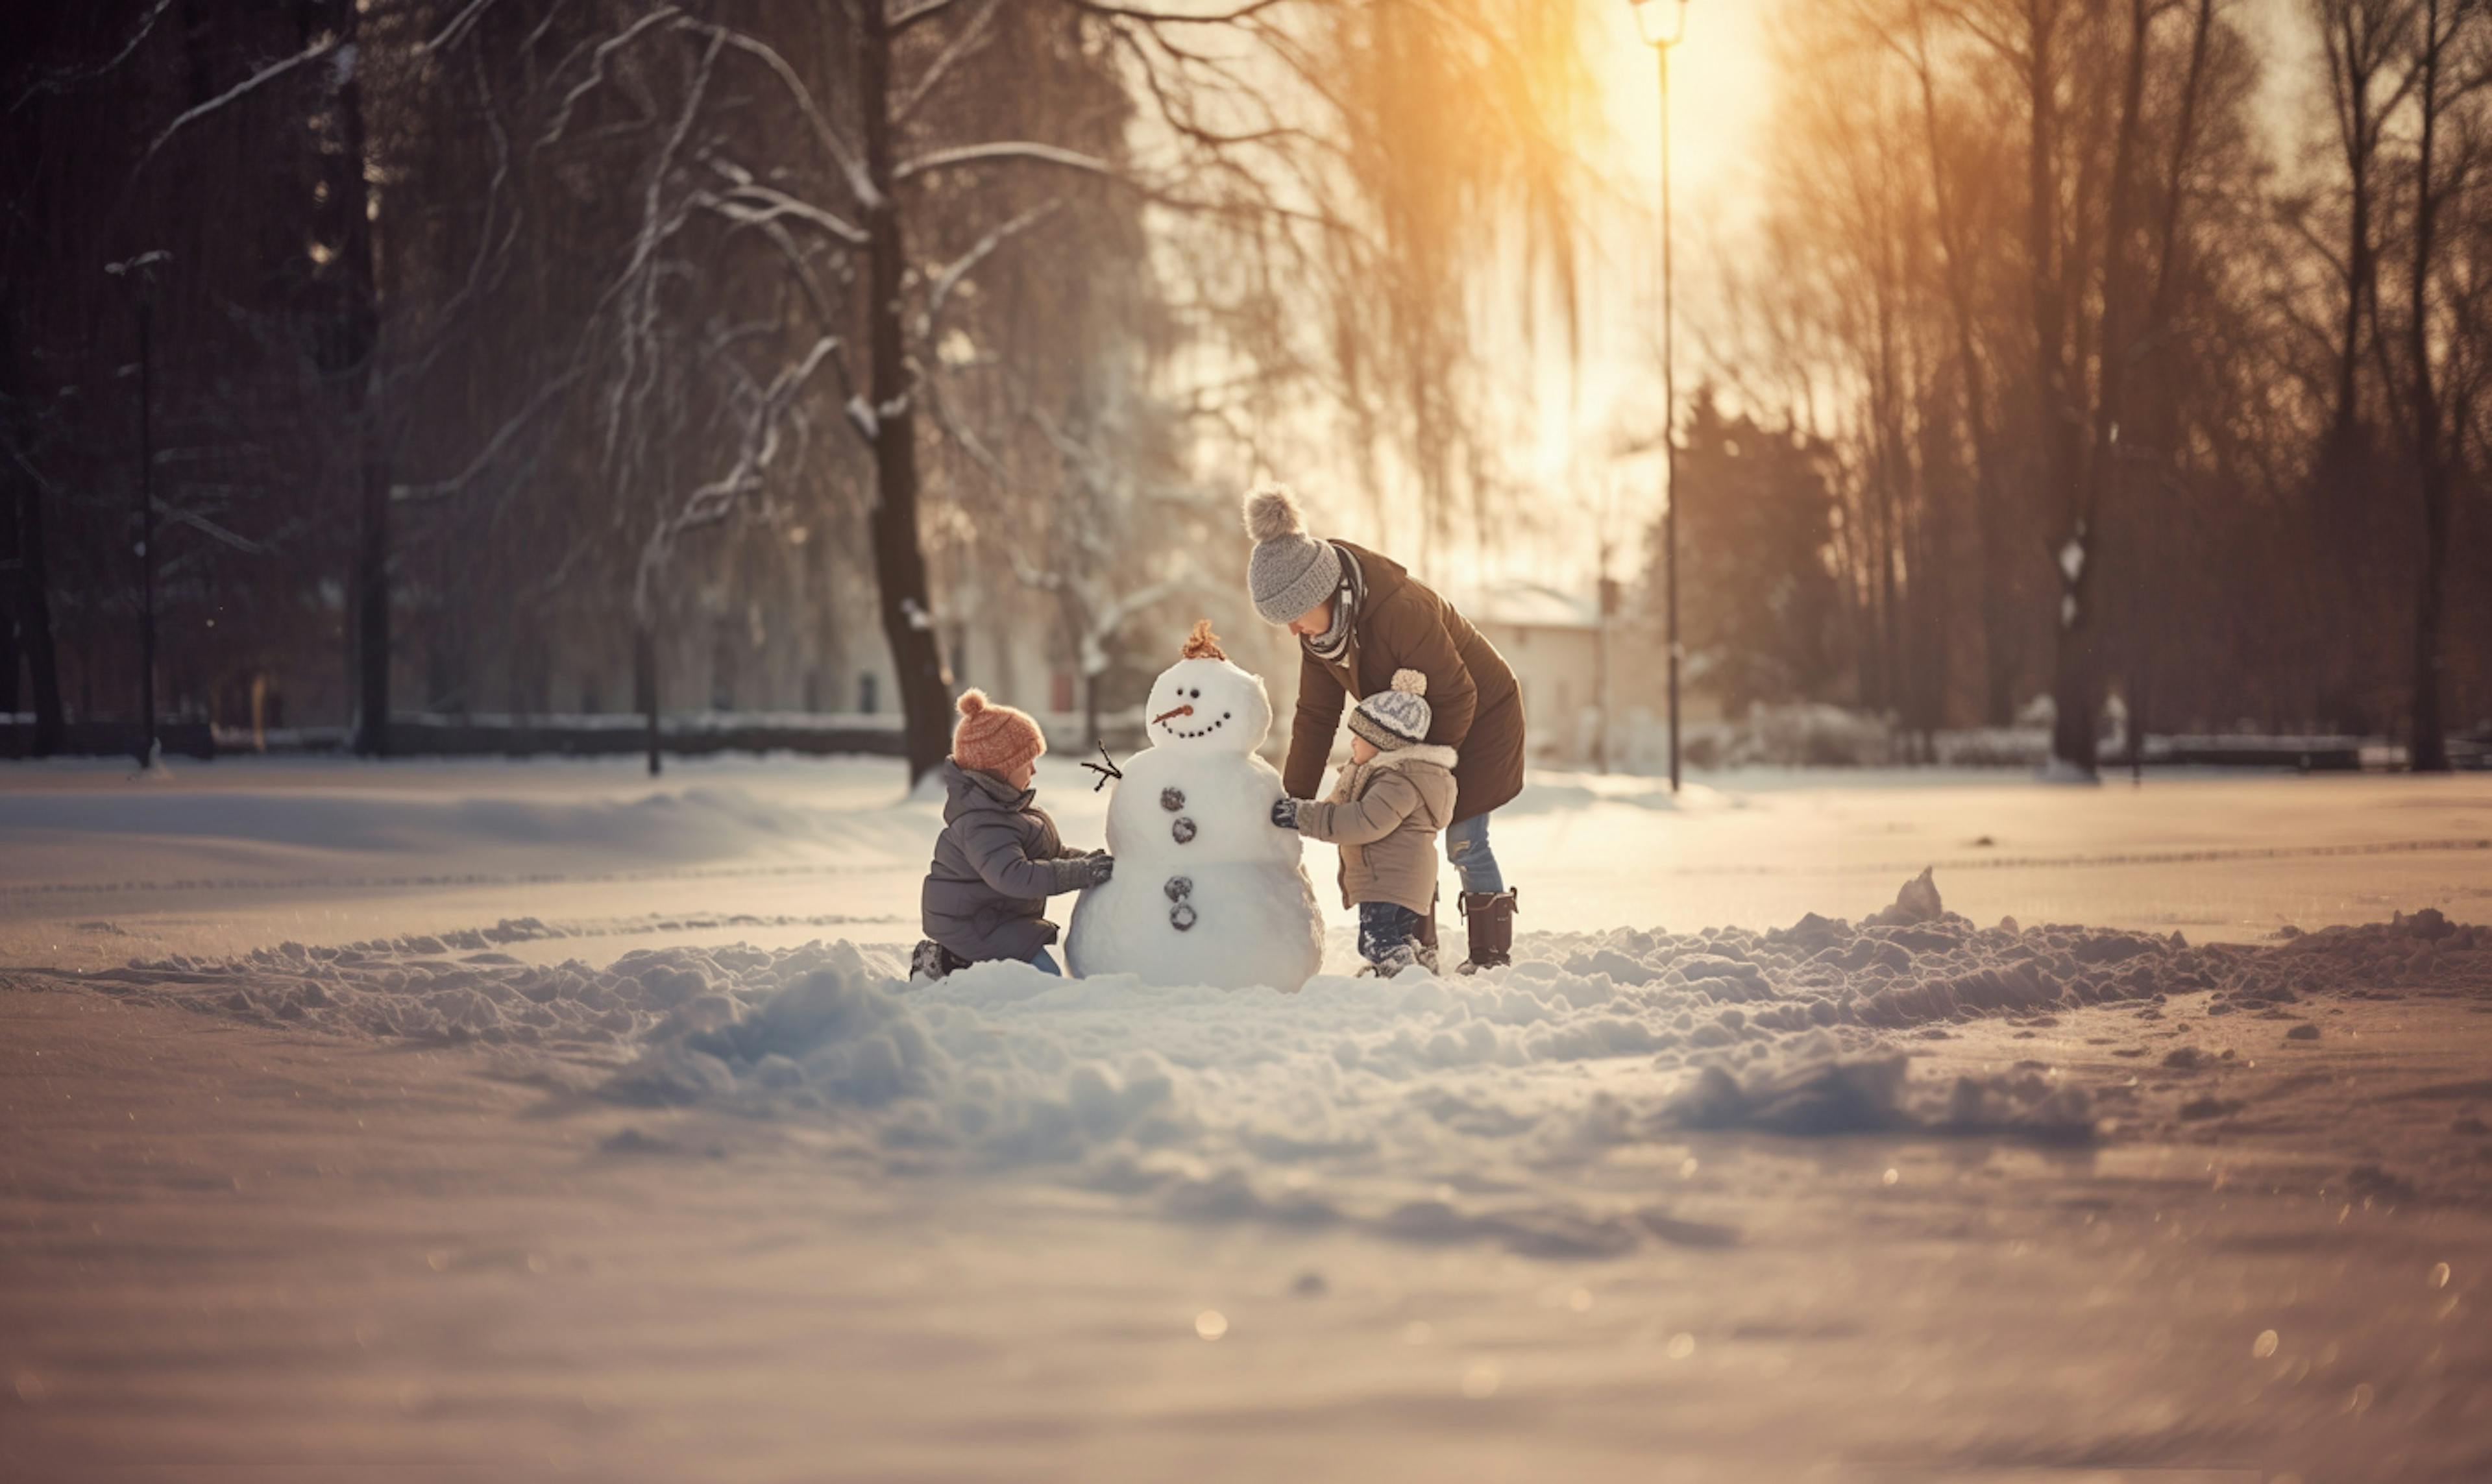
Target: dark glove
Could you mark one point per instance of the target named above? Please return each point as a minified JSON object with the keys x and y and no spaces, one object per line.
{"x":1284,"y":812}
{"x":1102,"y":865}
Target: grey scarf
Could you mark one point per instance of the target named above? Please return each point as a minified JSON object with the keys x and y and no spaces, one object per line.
{"x":1334,"y":641}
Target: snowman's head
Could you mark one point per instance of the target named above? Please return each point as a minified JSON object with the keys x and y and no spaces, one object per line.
{"x":1204,"y":702}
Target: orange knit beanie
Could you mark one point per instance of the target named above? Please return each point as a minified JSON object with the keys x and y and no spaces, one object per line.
{"x":993,"y":737}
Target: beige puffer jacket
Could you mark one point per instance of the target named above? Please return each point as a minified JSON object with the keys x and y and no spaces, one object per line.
{"x":1384,"y":814}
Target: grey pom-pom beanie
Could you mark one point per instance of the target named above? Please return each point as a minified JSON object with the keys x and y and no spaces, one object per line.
{"x":1291,"y":571}
{"x":1396,"y":718}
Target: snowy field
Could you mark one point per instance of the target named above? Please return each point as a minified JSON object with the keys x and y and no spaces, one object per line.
{"x":517,"y":1120}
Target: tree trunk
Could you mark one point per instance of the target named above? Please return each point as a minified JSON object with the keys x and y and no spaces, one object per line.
{"x":2359,"y":274}
{"x":12,"y":573}
{"x":34,"y":618}
{"x":2072,"y":737}
{"x":898,"y":551}
{"x":2430,"y":753}
{"x":349,"y":351}
{"x":145,"y":545}
{"x":2429,"y":744}
{"x":2360,"y":62}
{"x":644,"y":684}
{"x":361,"y":324}
{"x":9,"y":612}
{"x":1998,"y":649}
{"x":2077,"y":686}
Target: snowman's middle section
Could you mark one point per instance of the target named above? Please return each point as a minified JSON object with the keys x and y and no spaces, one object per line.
{"x":1184,"y":807}
{"x":1208,"y":889}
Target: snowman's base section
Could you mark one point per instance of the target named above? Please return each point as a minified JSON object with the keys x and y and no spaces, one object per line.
{"x":1243,"y":925}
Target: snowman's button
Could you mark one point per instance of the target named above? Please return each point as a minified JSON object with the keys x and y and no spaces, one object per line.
{"x":1181,"y":916}
{"x":1182,"y":829}
{"x":1177,"y":887}
{"x":1171,"y":799}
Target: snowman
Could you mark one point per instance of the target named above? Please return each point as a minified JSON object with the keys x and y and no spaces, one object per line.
{"x":1207,"y":890}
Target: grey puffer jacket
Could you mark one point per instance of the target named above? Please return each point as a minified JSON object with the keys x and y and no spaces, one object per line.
{"x":995,"y":864}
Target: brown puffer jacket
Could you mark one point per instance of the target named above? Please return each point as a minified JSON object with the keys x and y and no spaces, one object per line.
{"x":1476,"y":708}
{"x":1384,"y":814}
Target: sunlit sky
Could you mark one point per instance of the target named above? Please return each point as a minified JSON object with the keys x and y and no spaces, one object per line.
{"x":1724,"y":80}
{"x":1722,"y":87}
{"x":1718,"y":73}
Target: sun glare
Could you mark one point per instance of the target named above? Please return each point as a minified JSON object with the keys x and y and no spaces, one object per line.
{"x":1719,"y":76}
{"x":1722,"y":85}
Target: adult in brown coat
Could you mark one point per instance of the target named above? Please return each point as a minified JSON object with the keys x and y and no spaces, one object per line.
{"x":1360,"y":617}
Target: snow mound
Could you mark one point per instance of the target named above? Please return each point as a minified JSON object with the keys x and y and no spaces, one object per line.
{"x":455,"y":986}
{"x":1870,"y":1094}
{"x":1345,"y":1102}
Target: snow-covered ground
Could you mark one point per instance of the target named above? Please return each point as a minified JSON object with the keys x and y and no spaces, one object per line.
{"x":542,"y":1119}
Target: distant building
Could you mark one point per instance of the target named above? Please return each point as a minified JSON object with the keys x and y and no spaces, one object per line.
{"x":1552,"y":640}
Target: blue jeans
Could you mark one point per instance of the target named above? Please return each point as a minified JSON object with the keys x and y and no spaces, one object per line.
{"x":1385,"y":926}
{"x":1045,"y":962}
{"x":1467,"y":846}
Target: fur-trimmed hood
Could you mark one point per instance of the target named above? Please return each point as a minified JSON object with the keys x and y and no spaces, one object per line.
{"x":1445,"y":757}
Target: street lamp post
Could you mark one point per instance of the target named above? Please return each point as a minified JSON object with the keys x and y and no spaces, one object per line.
{"x":1662,"y":24}
{"x":139,"y":274}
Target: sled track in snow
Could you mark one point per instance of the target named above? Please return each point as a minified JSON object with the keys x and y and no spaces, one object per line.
{"x":445,"y":878}
{"x":2217,"y":855}
{"x":2213,"y":855}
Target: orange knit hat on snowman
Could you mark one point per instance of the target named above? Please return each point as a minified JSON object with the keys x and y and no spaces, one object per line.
{"x":993,"y":737}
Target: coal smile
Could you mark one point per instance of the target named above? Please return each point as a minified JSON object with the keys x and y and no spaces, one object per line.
{"x":1172,"y":729}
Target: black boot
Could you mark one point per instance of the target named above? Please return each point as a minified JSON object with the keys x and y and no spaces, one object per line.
{"x":1490,"y":916}
{"x":930,"y":961}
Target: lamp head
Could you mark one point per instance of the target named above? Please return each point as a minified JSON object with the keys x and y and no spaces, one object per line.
{"x":1661,"y":22}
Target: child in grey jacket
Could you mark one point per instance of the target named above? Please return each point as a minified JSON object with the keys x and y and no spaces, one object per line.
{"x":1000,"y":857}
{"x":1384,"y":814}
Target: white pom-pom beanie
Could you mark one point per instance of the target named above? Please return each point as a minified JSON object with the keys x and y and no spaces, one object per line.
{"x":1398,"y":717}
{"x":1291,"y":571}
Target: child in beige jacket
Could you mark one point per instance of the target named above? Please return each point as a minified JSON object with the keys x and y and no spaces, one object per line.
{"x":1384,"y":814}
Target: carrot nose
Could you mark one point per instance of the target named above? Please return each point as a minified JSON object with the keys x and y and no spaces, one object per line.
{"x":1165,"y":715}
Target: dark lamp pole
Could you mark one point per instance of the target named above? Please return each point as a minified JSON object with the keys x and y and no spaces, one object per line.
{"x":1663,"y":24}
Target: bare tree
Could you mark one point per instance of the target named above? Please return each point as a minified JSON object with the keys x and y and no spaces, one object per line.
{"x":2448,"y":71}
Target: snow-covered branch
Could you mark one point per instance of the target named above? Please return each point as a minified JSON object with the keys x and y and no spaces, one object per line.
{"x":970,"y":38}
{"x":207,"y":527}
{"x":859,"y":417}
{"x":68,"y":77}
{"x":1009,"y":149}
{"x":321,"y":46}
{"x":962,"y":435}
{"x":950,"y":278}
{"x":457,"y":29}
{"x":597,"y":70}
{"x":711,"y":502}
{"x":1159,"y":18}
{"x":640,"y":309}
{"x":1025,"y":151}
{"x":751,"y":203}
{"x":494,"y":446}
{"x":908,"y":13}
{"x":1104,"y":622}
{"x":851,"y":165}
